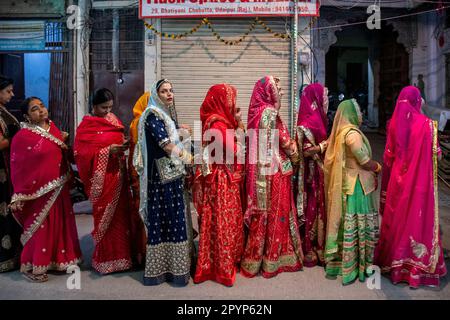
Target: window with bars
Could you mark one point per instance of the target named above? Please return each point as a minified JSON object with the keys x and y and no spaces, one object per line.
{"x":56,"y":35}
{"x":131,"y":40}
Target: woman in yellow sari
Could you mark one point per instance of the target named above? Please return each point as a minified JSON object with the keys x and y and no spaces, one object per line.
{"x":350,"y":179}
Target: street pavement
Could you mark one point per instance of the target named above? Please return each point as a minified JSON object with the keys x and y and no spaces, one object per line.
{"x":307,"y":284}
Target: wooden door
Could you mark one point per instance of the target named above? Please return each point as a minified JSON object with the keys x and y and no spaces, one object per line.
{"x":394,"y":73}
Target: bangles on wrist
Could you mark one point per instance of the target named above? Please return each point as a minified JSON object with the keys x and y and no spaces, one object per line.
{"x":322,"y":146}
{"x":185,"y":156}
{"x":378,"y":168}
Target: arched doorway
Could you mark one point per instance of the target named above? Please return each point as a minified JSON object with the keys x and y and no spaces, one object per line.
{"x":393,"y":74}
{"x":369,"y":65}
{"x":347,"y":68}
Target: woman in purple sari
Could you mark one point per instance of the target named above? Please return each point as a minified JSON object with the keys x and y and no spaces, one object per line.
{"x":312,"y":141}
{"x":409,"y":249}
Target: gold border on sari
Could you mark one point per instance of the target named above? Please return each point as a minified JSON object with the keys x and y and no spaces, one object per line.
{"x":9,"y":264}
{"x":302,"y":196}
{"x":98,"y":178}
{"x":27,"y":234}
{"x":108,"y":214}
{"x":39,"y":131}
{"x":25,"y":267}
{"x":52,"y":185}
{"x":267,"y":122}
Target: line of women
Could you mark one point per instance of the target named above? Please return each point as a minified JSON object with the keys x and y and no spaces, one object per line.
{"x":267,"y":203}
{"x":311,"y":204}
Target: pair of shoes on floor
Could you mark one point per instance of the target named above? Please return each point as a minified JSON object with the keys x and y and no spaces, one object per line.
{"x":35,"y":277}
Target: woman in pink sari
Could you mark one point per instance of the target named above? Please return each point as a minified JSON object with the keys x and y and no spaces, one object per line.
{"x":409,"y":249}
{"x":273,"y":244}
{"x":312,"y":141}
{"x":41,"y":200}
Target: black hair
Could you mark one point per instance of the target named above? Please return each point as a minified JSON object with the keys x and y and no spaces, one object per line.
{"x":25,"y":104}
{"x":160,"y":83}
{"x":101,"y":96}
{"x":5,"y":81}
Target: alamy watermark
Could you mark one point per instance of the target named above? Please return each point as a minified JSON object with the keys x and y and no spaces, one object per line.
{"x":261,"y":147}
{"x":374,"y":20}
{"x":374,"y":280}
{"x":74,"y":280}
{"x":74,"y":20}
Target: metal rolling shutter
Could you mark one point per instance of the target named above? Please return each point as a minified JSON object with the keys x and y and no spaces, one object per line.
{"x":198,"y":61}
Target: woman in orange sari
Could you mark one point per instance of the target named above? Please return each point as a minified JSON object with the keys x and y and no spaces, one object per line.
{"x":140,"y":239}
{"x":99,"y":154}
{"x":41,"y":200}
{"x":217,"y":188}
{"x":138,"y":108}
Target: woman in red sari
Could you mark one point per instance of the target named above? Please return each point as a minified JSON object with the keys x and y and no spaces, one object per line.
{"x":273,"y":244}
{"x":41,"y":200}
{"x":217,"y":189}
{"x":410,"y":249}
{"x":99,"y":154}
{"x":312,"y":141}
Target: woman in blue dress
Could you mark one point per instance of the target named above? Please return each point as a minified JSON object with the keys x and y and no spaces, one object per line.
{"x":160,"y":159}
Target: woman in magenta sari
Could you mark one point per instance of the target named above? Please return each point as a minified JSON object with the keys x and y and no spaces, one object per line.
{"x":312,"y":141}
{"x":273,"y":244}
{"x":409,"y":249}
{"x":41,"y":200}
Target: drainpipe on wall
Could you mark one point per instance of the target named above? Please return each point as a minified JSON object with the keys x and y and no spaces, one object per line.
{"x":115,"y":41}
{"x":152,"y":54}
{"x":82,"y":63}
{"x":294,"y":72}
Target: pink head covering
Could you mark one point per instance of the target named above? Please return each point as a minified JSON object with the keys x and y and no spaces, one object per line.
{"x":406,"y":115}
{"x":265,"y":95}
{"x":311,"y":113}
{"x":410,"y":229}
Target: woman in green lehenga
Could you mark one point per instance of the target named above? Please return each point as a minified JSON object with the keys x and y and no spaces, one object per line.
{"x":350,"y":182}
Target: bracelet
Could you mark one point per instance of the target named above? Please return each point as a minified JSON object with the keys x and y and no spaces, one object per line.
{"x":241,"y":125}
{"x":378,"y":169}
{"x":322,"y":146}
{"x":185,"y":156}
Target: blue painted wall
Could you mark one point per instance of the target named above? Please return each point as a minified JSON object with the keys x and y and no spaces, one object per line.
{"x":37,"y":75}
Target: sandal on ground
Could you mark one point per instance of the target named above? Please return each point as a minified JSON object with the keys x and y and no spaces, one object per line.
{"x":446,"y":254}
{"x":35,"y":277}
